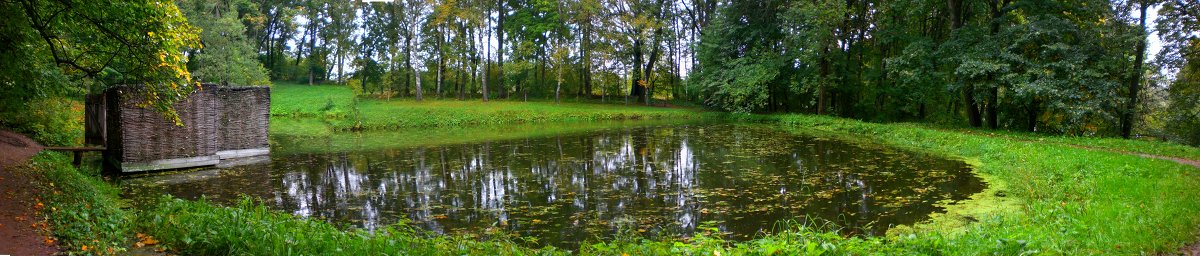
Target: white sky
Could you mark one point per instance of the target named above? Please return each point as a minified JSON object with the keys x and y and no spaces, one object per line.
{"x":1154,"y":45}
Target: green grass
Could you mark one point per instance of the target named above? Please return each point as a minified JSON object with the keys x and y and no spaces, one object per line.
{"x":1161,"y":148}
{"x":384,"y":115}
{"x":1065,"y":200}
{"x":337,"y":106}
{"x":323,"y":101}
{"x":300,"y":127}
{"x":1135,"y":146}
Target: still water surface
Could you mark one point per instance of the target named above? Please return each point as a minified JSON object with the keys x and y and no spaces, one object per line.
{"x":562,"y":190}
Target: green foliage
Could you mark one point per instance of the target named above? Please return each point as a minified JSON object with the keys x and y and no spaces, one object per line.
{"x":50,"y":121}
{"x":739,"y":72}
{"x":1022,"y":64}
{"x":79,"y":46}
{"x":83,"y":210}
{"x":227,"y":57}
{"x":1176,"y":26}
{"x":1184,"y":107}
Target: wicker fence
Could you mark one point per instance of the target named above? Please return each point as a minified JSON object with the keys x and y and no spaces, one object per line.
{"x":244,"y":118}
{"x":216,"y":122}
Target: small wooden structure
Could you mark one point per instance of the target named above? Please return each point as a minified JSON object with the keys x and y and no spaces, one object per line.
{"x":218,"y":123}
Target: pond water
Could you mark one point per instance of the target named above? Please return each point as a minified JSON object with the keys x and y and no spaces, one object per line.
{"x":561,"y":190}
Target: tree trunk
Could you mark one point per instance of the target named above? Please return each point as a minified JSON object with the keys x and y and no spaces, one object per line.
{"x":339,"y":64}
{"x":558,"y":83}
{"x":993,"y":100}
{"x":501,"y":12}
{"x":586,"y":53}
{"x":407,"y":60}
{"x":968,"y":91}
{"x":1032,"y":116}
{"x":1135,"y":77}
{"x":542,"y":74}
{"x":823,"y":72}
{"x":418,"y":76}
{"x":487,"y":51}
{"x":648,"y":71}
{"x":441,"y":66}
{"x":458,"y":77}
{"x":636,"y":87}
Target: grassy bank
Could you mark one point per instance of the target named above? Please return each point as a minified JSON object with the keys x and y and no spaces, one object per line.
{"x":83,"y":211}
{"x":199,"y":228}
{"x":1066,"y":199}
{"x":337,"y":106}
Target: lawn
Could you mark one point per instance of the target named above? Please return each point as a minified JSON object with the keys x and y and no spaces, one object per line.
{"x":337,"y":106}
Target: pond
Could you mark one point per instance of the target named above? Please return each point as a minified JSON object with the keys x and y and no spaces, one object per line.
{"x":565,"y":189}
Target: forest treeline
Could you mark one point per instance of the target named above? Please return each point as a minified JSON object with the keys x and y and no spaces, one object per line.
{"x":1069,"y":67}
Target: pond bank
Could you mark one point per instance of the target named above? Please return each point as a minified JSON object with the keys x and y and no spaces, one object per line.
{"x":1071,"y":200}
{"x":1061,"y":200}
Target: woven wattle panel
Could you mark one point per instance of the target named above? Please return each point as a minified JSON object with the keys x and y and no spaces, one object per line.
{"x":244,"y":118}
{"x":147,"y":135}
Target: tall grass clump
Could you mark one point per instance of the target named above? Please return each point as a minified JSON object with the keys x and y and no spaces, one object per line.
{"x":248,"y":228}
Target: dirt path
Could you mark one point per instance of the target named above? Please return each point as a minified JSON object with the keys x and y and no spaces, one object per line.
{"x":1182,"y":161}
{"x":1193,"y":250}
{"x":18,"y":198}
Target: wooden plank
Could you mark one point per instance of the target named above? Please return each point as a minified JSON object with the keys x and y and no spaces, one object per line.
{"x":77,"y":159}
{"x":239,"y":153}
{"x":226,"y":163}
{"x":170,"y":164}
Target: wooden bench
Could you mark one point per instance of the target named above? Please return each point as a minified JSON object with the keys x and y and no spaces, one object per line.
{"x":77,"y":151}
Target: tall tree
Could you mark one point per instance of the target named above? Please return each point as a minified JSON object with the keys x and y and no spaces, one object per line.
{"x":227,"y":56}
{"x":52,"y":46}
{"x":1135,"y":75}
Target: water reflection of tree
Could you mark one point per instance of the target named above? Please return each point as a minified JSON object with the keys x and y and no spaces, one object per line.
{"x":665,"y":180}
